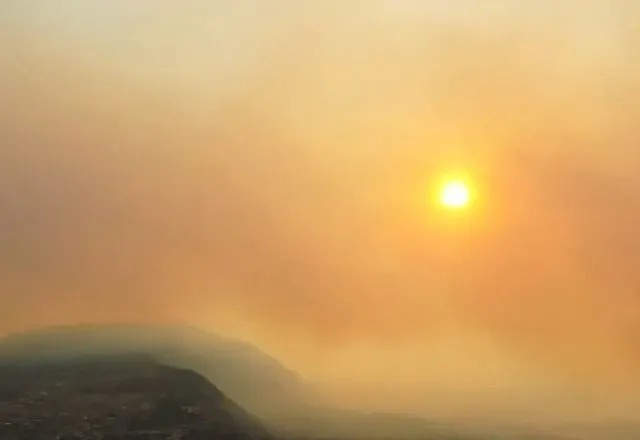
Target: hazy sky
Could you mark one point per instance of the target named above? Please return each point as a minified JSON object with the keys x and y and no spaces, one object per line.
{"x":264,"y":169}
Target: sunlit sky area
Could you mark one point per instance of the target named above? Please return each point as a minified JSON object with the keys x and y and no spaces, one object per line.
{"x":266,"y":170}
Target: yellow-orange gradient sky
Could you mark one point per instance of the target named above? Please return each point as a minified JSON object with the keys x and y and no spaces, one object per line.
{"x":266,"y":170}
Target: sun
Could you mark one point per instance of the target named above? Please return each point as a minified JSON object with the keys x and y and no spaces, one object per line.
{"x":455,"y":194}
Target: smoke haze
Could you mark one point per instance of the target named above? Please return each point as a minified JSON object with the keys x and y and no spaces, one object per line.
{"x":264,"y":170}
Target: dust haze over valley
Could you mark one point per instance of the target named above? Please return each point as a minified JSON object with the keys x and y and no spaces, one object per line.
{"x":262,"y":170}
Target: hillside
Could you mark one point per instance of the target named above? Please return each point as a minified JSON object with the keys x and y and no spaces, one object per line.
{"x":130,"y":382}
{"x":252,"y":378}
{"x":123,"y":397}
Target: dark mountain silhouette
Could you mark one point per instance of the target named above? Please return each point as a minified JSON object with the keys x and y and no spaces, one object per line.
{"x":255,"y":380}
{"x":117,"y":397}
{"x":250,"y":377}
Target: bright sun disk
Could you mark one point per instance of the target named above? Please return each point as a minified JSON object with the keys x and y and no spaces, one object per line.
{"x":455,"y":194}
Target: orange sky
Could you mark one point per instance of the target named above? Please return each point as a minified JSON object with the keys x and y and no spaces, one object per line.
{"x":265,"y":171}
